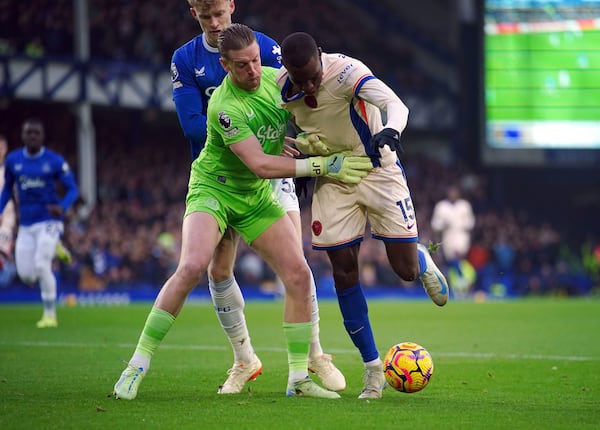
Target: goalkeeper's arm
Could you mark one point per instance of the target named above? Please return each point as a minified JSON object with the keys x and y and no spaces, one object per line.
{"x":345,"y":168}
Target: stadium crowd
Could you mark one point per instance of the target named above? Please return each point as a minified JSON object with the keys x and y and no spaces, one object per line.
{"x":146,"y":34}
{"x":134,"y":232}
{"x":131,"y":237}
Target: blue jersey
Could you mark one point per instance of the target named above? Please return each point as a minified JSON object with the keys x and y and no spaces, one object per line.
{"x":195,"y":73}
{"x":36,"y":179}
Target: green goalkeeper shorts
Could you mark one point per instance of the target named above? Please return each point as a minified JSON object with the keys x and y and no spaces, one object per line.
{"x":250,"y":213}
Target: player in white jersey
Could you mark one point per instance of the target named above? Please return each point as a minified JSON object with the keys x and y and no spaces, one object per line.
{"x":337,"y":102}
{"x":453,"y":220}
{"x":196,"y":72}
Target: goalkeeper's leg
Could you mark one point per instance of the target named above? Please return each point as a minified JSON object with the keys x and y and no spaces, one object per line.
{"x":196,"y":253}
{"x":288,"y":263}
{"x":318,"y":363}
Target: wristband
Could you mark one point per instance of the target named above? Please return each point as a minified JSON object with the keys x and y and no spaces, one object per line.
{"x":311,"y":166}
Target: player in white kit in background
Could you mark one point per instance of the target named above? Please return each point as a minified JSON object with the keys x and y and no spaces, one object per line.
{"x":453,"y":220}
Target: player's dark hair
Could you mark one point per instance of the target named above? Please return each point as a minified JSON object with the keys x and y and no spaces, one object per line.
{"x":297,"y":49}
{"x":235,"y":37}
{"x":34,"y":121}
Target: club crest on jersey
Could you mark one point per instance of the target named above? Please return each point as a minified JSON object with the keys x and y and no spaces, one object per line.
{"x":317,"y":227}
{"x":224,"y":120}
{"x":174,"y":72}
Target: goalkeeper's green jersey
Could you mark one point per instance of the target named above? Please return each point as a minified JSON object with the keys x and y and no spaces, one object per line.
{"x":234,"y":115}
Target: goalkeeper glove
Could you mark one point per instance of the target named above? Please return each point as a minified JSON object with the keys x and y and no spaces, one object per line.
{"x":390,"y":137}
{"x":312,"y":144}
{"x":345,"y":168}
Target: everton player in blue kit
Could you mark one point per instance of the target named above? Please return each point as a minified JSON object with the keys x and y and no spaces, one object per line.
{"x":35,"y":171}
{"x":195,"y":73}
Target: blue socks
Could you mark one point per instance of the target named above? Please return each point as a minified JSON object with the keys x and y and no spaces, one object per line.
{"x":355,"y":312}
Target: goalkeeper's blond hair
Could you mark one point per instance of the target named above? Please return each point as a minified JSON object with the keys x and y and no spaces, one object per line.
{"x":235,"y":37}
{"x":203,"y":4}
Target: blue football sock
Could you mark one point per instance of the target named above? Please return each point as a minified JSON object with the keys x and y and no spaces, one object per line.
{"x":355,"y":311}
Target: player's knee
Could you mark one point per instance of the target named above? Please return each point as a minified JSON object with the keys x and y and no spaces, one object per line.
{"x":43,"y":266}
{"x":43,"y":272}
{"x":409,"y":271}
{"x":302,"y":273}
{"x":191,"y":272}
{"x":27,"y":275}
{"x":297,"y":276}
{"x":28,"y":280}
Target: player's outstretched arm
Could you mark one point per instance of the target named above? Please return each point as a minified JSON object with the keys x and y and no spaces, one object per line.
{"x":345,"y":168}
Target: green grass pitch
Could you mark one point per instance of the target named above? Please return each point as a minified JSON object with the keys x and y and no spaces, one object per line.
{"x":543,"y":76}
{"x":529,"y":363}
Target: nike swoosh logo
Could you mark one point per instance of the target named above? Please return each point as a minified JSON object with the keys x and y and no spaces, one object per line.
{"x":357,"y":330}
{"x":444,"y":289}
{"x":409,"y":226}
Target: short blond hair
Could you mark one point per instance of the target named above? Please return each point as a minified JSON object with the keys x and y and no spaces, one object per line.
{"x":202,"y":3}
{"x":235,"y":37}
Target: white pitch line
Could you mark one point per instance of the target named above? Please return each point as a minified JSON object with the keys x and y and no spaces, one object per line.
{"x":476,"y":355}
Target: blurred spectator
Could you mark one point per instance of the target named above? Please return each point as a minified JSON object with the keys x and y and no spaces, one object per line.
{"x":131,"y":238}
{"x":147,"y":33}
{"x":34,"y":48}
